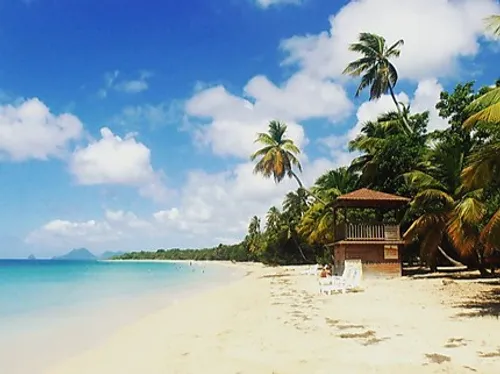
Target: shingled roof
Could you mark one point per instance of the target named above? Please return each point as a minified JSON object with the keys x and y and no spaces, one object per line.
{"x":366,"y":198}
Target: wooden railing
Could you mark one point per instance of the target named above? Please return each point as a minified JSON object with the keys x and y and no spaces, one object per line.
{"x":361,"y":231}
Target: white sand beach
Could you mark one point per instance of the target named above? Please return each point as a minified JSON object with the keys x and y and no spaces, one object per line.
{"x":274,"y":321}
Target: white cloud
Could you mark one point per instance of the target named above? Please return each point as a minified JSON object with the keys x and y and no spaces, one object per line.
{"x":66,"y":234}
{"x":29,"y":130}
{"x":234,"y":120}
{"x":425,"y":98}
{"x":212,"y":208}
{"x":436,"y":34}
{"x":116,"y":160}
{"x":130,"y":86}
{"x":267,"y":3}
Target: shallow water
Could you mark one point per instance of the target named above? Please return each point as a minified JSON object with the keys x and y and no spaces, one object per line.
{"x":50,"y":310}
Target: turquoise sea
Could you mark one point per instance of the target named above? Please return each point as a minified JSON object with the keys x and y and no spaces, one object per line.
{"x":46,"y":302}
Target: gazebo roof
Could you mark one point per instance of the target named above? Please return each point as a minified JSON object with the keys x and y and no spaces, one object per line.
{"x":366,"y":198}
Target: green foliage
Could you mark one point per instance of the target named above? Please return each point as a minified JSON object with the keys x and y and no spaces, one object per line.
{"x":236,"y":252}
{"x":452,"y":176}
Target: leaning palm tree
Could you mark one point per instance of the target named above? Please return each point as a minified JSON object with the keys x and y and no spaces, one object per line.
{"x":493,"y":24}
{"x":375,"y":68}
{"x":278,"y":156}
{"x":437,"y":185}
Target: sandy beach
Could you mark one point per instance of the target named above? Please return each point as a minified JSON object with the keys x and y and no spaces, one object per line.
{"x":274,"y":321}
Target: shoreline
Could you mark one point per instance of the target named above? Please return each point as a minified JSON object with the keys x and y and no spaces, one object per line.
{"x":269,"y":320}
{"x":73,"y":329}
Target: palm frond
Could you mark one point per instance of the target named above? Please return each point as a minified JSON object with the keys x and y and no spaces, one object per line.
{"x":493,"y":24}
{"x":432,"y":196}
{"x":485,"y":107}
{"x":420,"y":180}
{"x":393,"y":50}
{"x":484,"y":164}
{"x":356,"y":68}
{"x":490,"y":235}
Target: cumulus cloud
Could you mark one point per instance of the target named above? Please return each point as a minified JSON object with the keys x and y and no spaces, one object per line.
{"x":212,"y":208}
{"x":234,"y":120}
{"x":436,"y":34}
{"x":29,"y":130}
{"x":116,"y":160}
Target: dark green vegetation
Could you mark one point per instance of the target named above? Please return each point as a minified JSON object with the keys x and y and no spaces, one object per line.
{"x":451,"y":175}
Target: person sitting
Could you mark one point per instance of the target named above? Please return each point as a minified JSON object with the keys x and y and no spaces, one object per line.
{"x":328,"y":270}
{"x":325,"y":272}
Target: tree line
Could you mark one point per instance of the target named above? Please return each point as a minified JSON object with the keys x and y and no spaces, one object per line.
{"x":452,"y":176}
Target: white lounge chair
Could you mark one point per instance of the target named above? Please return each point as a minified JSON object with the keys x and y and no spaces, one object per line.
{"x":350,"y":280}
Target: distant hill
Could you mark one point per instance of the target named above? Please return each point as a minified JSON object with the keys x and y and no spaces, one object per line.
{"x":31,"y":257}
{"x":79,"y":254}
{"x":108,"y":254}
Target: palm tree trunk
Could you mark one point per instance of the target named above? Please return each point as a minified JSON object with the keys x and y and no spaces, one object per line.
{"x":301,"y":186}
{"x":292,"y":234}
{"x":445,"y":255}
{"x":480,"y":263}
{"x":403,"y":117}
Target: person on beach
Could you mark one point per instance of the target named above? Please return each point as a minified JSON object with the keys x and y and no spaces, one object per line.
{"x":326,"y":272}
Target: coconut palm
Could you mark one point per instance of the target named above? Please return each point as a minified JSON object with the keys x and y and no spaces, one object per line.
{"x":278,"y":156}
{"x":444,"y":209}
{"x":317,"y":222}
{"x":373,"y":137}
{"x":254,"y":236}
{"x":375,"y":68}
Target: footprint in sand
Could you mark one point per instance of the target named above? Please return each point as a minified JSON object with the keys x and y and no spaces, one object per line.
{"x":455,"y":343}
{"x":436,"y":358}
{"x":493,"y":354}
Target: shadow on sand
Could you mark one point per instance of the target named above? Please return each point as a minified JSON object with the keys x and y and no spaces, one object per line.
{"x":485,"y":303}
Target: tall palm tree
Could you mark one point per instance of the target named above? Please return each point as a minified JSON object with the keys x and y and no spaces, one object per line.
{"x":375,"y":68}
{"x":483,"y":170}
{"x":493,"y":24}
{"x":294,"y":207}
{"x":278,"y":156}
{"x":437,"y":187}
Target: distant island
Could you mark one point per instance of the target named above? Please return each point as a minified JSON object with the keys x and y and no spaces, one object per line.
{"x":78,"y":254}
{"x":31,"y":257}
{"x":83,"y":254}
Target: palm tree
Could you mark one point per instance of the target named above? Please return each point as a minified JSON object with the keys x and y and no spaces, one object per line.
{"x":278,"y":156}
{"x":493,"y":24}
{"x":317,"y":222}
{"x":294,"y":207}
{"x":374,"y":136}
{"x":483,"y":169}
{"x":375,"y":68}
{"x":437,"y":186}
{"x":445,"y":208}
{"x":254,"y":236}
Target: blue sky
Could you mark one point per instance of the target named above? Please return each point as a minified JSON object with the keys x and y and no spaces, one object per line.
{"x":128,"y":125}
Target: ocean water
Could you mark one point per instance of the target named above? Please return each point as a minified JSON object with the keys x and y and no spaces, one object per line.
{"x":52,"y":309}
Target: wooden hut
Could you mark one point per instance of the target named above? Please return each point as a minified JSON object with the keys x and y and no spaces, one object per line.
{"x":376,"y":242}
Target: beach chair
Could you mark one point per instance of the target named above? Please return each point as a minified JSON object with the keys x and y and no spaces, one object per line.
{"x":349,"y":280}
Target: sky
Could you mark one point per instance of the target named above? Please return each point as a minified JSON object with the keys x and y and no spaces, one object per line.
{"x":128,"y":125}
